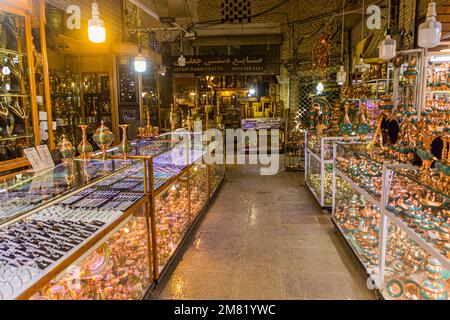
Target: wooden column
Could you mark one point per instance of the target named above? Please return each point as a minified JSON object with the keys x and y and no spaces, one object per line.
{"x":47,"y":89}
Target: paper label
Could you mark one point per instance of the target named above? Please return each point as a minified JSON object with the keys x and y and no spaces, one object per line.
{"x":46,"y":156}
{"x":34,"y":159}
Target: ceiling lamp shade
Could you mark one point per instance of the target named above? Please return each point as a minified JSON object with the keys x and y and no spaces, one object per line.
{"x":430,"y":31}
{"x":181,"y":61}
{"x":388,"y":47}
{"x":96,"y":27}
{"x":140,"y":63}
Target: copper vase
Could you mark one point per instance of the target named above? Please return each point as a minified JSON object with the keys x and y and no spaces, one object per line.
{"x":85,"y":148}
{"x":125,"y":146}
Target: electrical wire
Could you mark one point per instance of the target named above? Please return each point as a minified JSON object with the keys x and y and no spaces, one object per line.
{"x":362,"y":19}
{"x":156,"y":7}
{"x":188,"y":11}
{"x":343,"y":31}
{"x":332,"y":14}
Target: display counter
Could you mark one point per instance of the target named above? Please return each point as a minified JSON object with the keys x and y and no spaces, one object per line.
{"x":95,"y":229}
{"x":319,"y":165}
{"x":416,"y":264}
{"x":395,"y":220}
{"x":265,"y":128}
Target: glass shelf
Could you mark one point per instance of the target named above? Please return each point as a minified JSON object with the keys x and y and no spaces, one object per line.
{"x":414,"y":173}
{"x":421,"y":210}
{"x":38,"y":189}
{"x":363,"y":167}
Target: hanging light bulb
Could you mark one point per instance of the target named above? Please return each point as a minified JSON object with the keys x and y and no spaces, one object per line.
{"x":430,"y":31}
{"x":320,"y":88}
{"x":341,"y":76}
{"x":140,"y":63}
{"x":361,"y":66}
{"x":388,"y":47}
{"x":6,"y":71}
{"x":181,"y":61}
{"x":96,"y":27}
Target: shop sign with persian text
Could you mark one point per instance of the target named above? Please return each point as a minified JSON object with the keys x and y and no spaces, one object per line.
{"x":226,"y":64}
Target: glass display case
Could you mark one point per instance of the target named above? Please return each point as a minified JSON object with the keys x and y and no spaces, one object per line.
{"x":319,"y":166}
{"x":417,"y":253}
{"x":88,"y":239}
{"x":65,"y":88}
{"x":97,"y":99}
{"x":359,"y":222}
{"x":262,"y":123}
{"x":94,"y":229}
{"x":19,"y":128}
{"x":358,"y":165}
{"x":408,"y":79}
{"x":199,"y":188}
{"x":401,"y":234}
{"x":438,"y":88}
{"x":184,"y":186}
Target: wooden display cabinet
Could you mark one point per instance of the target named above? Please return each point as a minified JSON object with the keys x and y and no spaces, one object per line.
{"x":19,"y":112}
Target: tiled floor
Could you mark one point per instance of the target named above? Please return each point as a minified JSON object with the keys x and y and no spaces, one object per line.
{"x":265,"y":238}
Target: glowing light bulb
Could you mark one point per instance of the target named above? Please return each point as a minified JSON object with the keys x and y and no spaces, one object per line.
{"x":320,"y":88}
{"x":96,"y":27}
{"x":341,"y":76}
{"x":388,"y":47}
{"x":6,"y":71}
{"x":181,"y":61}
{"x":140,"y":63}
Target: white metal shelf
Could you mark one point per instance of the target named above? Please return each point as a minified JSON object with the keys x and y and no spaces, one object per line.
{"x":313,"y":154}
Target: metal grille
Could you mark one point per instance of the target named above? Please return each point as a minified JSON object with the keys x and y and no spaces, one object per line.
{"x":301,"y":92}
{"x":236,"y":11}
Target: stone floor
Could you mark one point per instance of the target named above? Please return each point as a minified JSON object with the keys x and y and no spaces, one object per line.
{"x":265,"y":238}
